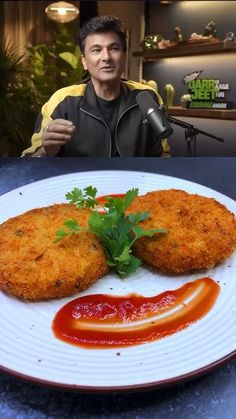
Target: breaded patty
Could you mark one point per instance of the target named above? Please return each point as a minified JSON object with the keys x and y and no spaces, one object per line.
{"x":201,"y":231}
{"x":33,"y":267}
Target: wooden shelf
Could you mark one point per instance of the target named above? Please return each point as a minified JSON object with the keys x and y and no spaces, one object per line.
{"x":202,"y":113}
{"x":187,"y":50}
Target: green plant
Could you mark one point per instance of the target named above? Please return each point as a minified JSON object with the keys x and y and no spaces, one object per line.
{"x":15,"y":101}
{"x":28,"y":80}
{"x":55,"y":65}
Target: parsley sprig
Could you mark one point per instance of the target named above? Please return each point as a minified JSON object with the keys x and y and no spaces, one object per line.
{"x":116,"y":230}
{"x":86,"y":199}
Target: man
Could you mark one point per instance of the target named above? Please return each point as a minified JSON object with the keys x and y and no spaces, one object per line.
{"x":98,"y":117}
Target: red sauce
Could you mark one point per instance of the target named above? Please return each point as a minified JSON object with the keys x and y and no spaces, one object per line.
{"x":104,"y":321}
{"x":103,"y":199}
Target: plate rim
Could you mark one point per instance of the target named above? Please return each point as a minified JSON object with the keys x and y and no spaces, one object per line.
{"x":116,"y":171}
{"x":154,"y":385}
{"x":131,"y":387}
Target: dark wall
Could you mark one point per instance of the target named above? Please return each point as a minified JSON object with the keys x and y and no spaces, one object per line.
{"x":193,"y":16}
{"x":1,"y":19}
{"x":206,"y":146}
{"x":173,"y":70}
{"x":88,"y":9}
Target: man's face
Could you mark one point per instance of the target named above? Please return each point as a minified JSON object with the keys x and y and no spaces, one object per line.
{"x":104,"y":57}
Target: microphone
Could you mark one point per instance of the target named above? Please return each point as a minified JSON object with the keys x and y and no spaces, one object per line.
{"x":154,"y":114}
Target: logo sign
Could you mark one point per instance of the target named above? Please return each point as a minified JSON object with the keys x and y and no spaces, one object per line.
{"x":206,"y":93}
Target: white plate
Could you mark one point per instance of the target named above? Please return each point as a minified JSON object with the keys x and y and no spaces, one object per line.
{"x":29,"y":349}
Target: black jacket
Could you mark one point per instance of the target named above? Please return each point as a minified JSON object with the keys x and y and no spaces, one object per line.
{"x":133,"y":135}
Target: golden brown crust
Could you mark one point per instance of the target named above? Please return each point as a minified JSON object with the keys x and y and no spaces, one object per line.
{"x":33,"y":267}
{"x":201,"y":231}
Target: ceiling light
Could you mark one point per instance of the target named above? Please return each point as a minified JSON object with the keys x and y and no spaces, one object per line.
{"x":62,"y":12}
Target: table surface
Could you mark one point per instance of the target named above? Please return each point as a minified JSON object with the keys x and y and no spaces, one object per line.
{"x":210,"y":396}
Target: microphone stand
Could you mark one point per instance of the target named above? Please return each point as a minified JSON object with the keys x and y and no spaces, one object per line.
{"x":191,"y":134}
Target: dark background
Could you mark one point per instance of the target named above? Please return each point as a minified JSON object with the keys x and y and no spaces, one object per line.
{"x":193,"y":16}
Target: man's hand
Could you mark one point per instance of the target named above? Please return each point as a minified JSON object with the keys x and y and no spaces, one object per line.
{"x":57,"y":133}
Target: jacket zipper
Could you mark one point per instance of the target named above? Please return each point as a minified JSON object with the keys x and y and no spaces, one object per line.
{"x":126,"y":110}
{"x":104,"y":122}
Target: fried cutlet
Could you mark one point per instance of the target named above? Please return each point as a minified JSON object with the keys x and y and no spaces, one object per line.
{"x":34,"y":268}
{"x":201,"y":231}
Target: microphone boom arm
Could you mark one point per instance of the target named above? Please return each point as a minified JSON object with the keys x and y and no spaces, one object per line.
{"x":189,"y":126}
{"x":191,"y":132}
{"x":161,"y":122}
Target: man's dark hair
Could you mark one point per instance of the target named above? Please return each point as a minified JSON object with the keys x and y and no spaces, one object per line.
{"x":102,"y":24}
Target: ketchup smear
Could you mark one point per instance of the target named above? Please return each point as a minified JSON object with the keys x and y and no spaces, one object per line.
{"x":103,"y":199}
{"x":105,"y":321}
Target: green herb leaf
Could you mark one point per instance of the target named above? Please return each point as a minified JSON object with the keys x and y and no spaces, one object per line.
{"x":72,"y":225}
{"x":60,"y":234}
{"x":72,"y":228}
{"x":129,"y":197}
{"x":128,"y":268}
{"x":140,"y":232}
{"x":82,"y":199}
{"x":138,"y":217}
{"x":116,"y":230}
{"x":75,"y":196}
